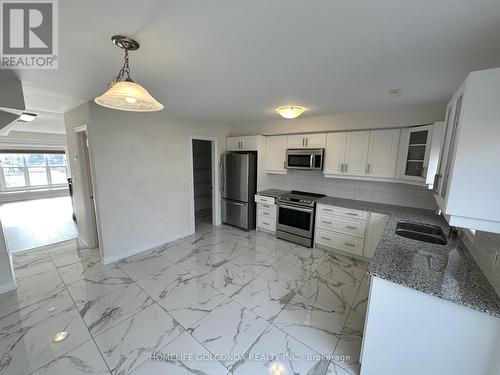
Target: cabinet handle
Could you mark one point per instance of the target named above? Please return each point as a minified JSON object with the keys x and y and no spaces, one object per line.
{"x":352,"y":213}
{"x":367,"y":168}
{"x":345,"y":168}
{"x":303,"y":142}
{"x":307,"y":142}
{"x":284,"y":164}
{"x":265,"y":213}
{"x":265,"y":223}
{"x":266,"y":206}
{"x":351,"y":227}
{"x":325,"y":238}
{"x":349,"y":244}
{"x":326,"y":222}
{"x":327,"y":209}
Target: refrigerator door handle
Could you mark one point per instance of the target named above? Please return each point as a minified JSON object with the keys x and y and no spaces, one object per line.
{"x":222,"y":175}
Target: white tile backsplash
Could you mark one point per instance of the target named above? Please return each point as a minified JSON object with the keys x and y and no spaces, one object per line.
{"x":373,"y":191}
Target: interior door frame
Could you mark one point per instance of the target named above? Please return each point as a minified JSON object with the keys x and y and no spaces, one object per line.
{"x":216,"y":196}
{"x":82,"y":161}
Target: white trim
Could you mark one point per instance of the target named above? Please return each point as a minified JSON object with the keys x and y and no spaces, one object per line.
{"x":141,"y":249}
{"x":4,"y":288}
{"x":82,"y":239}
{"x":81,"y":128}
{"x":216,"y":214}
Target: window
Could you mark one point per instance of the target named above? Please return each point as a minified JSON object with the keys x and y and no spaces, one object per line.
{"x":32,"y":170}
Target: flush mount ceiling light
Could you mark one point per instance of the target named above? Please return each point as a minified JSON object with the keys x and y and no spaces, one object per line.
{"x":123,"y":93}
{"x":26,"y":117}
{"x":60,"y":336}
{"x":290,"y":111}
{"x":394,"y":92}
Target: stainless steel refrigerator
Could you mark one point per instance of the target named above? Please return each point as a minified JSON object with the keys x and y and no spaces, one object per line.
{"x":238,"y":187}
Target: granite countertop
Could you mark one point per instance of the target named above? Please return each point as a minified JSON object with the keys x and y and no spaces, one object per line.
{"x":445,"y":271}
{"x":275,"y":193}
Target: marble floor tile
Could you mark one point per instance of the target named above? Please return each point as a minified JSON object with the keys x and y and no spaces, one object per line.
{"x":306,"y":258}
{"x":105,"y":311}
{"x":183,"y":356}
{"x":141,"y":265}
{"x":349,"y":346}
{"x":334,"y":369}
{"x":254,"y":261}
{"x":359,"y":307}
{"x":331,"y":294}
{"x":31,"y":263}
{"x":189,"y":304}
{"x":264,"y":298}
{"x":312,"y":324}
{"x":228,"y":331}
{"x":337,"y":267}
{"x":83,"y":360}
{"x":269,"y":246}
{"x":160,"y":284}
{"x":287,"y":275}
{"x":40,"y":286}
{"x":97,"y":284}
{"x":131,"y":342}
{"x":18,"y":318}
{"x":226,"y":249}
{"x":348,"y":349}
{"x":28,"y":351}
{"x":201,"y":263}
{"x":70,"y":254}
{"x":275,"y":352}
{"x":83,"y":269}
{"x":228,"y":278}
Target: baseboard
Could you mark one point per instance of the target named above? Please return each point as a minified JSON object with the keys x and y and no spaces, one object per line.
{"x":141,"y":249}
{"x":4,"y":288}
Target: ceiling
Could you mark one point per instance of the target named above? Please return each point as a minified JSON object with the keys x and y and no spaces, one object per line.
{"x":235,"y":61}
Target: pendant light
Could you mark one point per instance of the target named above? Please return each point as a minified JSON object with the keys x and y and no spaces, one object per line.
{"x":123,"y":93}
{"x":290,"y":111}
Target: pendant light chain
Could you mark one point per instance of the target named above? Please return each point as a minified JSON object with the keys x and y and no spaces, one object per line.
{"x":125,"y":70}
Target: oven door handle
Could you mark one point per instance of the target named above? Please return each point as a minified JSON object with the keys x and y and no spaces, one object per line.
{"x":308,"y":210}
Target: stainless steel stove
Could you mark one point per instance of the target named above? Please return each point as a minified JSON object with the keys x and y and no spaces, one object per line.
{"x":295,"y":219}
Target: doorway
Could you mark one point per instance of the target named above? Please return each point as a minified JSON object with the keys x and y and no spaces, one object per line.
{"x":203,"y":183}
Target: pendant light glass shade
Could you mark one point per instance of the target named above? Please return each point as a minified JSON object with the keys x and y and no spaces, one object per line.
{"x":129,"y":96}
{"x":123,"y":93}
{"x":291,"y":111}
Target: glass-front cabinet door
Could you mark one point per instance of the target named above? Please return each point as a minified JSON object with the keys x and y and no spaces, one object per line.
{"x":417,"y":153}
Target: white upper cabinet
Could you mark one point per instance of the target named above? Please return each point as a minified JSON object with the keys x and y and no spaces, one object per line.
{"x":356,"y":153}
{"x":247,"y":143}
{"x":335,"y":153}
{"x":317,"y":140}
{"x":276,"y":146}
{"x":382,"y":153}
{"x":415,"y":152}
{"x":468,"y":180}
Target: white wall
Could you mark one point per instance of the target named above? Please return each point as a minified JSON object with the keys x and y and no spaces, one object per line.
{"x":142,"y":175}
{"x":7,"y":281}
{"x":401,"y":117}
{"x":381,"y":192}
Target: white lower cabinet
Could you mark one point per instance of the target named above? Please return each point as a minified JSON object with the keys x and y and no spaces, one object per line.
{"x":350,"y":231}
{"x":266,"y":213}
{"x":340,"y":228}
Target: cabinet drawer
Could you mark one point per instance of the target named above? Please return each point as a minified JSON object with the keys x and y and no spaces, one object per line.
{"x":264,"y":199}
{"x":339,"y":241}
{"x":266,"y":222}
{"x":351,"y":227}
{"x":344,"y":212}
{"x":266,"y":210}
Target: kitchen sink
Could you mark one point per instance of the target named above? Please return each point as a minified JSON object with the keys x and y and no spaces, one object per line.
{"x":421,"y":232}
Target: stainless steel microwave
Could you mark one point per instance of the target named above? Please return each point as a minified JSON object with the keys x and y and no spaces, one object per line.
{"x":311,"y":159}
